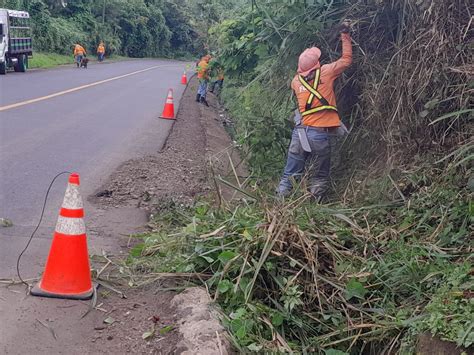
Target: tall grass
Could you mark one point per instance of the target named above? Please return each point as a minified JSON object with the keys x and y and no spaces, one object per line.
{"x":408,"y":91}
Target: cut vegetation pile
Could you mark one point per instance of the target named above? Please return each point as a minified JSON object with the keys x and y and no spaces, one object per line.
{"x":304,"y":277}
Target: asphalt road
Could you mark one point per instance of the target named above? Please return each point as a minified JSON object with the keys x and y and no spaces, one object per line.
{"x":90,"y":129}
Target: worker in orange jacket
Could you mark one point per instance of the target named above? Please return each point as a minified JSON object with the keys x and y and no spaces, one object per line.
{"x":317,"y":119}
{"x":79,"y":53}
{"x":203,"y":77}
{"x":101,"y":52}
{"x":219,"y":82}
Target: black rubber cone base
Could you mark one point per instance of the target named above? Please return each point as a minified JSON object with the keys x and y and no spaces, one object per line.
{"x":37,"y":291}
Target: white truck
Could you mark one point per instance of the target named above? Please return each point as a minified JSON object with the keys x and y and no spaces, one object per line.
{"x":15,"y":40}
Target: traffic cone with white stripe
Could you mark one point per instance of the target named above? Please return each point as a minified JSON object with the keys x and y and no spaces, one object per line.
{"x":184,"y":79}
{"x":67,"y":273}
{"x":168,"y":110}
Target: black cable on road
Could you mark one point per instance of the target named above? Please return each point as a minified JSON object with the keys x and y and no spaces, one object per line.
{"x":36,"y":229}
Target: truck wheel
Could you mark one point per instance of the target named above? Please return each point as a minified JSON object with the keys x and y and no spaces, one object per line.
{"x":22,"y":63}
{"x":3,"y":68}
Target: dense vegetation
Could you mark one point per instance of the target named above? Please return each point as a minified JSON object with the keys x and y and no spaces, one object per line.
{"x":135,"y":28}
{"x":391,"y":256}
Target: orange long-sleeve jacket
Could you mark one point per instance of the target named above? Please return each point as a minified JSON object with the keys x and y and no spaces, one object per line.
{"x":79,"y":50}
{"x":101,"y":48}
{"x":202,"y":69}
{"x":329,"y":73}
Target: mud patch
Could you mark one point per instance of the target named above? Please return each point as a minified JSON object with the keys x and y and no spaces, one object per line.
{"x":428,"y":345}
{"x":145,"y":313}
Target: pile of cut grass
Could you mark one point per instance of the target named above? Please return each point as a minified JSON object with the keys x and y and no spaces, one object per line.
{"x":296,"y":276}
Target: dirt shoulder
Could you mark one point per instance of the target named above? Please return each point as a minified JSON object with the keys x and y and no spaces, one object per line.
{"x":179,"y":172}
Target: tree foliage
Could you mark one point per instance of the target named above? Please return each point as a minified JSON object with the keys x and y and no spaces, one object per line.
{"x":136,"y":28}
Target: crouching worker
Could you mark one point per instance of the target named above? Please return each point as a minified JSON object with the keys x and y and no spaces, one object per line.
{"x":203,"y":77}
{"x":317,"y":119}
{"x":79,"y":53}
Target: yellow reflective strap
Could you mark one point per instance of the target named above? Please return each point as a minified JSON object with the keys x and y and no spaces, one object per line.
{"x":314,"y":92}
{"x":316,"y":79}
{"x":315,"y":87}
{"x":319,"y":108}
{"x":309,"y":88}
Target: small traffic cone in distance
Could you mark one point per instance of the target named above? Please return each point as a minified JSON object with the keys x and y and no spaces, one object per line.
{"x":184,"y":79}
{"x":67,"y":273}
{"x":168,"y":110}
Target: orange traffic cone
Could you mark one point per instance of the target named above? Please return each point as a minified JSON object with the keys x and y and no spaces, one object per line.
{"x":184,"y":80}
{"x":67,"y":273}
{"x":168,"y":111}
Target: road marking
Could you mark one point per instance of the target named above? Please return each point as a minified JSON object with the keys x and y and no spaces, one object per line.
{"x":47,"y":97}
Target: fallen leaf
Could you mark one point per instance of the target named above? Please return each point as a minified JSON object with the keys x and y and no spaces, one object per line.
{"x":109,"y":320}
{"x":148,"y":335}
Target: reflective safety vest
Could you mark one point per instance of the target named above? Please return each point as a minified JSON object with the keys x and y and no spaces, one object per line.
{"x":309,"y":109}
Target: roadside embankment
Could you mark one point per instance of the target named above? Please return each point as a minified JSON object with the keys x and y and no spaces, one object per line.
{"x":41,"y":60}
{"x":157,"y":316}
{"x":48,"y":60}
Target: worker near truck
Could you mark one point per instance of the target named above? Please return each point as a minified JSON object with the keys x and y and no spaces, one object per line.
{"x":317,"y":119}
{"x":203,"y":77}
{"x":101,"y":52}
{"x":79,"y":53}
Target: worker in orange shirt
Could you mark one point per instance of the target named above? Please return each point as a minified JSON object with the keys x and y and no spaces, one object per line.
{"x":219,"y":82}
{"x":317,"y":119}
{"x":79,"y":53}
{"x":203,"y":77}
{"x":101,"y":52}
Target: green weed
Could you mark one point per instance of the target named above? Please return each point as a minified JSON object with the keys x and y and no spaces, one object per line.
{"x":304,"y":277}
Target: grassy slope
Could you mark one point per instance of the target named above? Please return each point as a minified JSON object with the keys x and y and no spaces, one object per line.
{"x":48,"y":60}
{"x":51,"y":60}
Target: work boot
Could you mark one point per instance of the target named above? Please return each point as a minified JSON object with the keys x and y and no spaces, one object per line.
{"x":203,"y":101}
{"x":198,"y":98}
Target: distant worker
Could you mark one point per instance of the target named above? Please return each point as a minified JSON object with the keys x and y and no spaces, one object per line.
{"x":219,"y":82}
{"x":317,"y":119}
{"x":101,"y":52}
{"x":203,"y":77}
{"x":79,"y":53}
